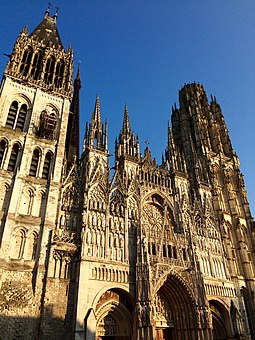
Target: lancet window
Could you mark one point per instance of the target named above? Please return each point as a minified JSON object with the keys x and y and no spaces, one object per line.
{"x":26,"y":61}
{"x":3,"y":148}
{"x":18,"y":245}
{"x":46,"y":165}
{"x":36,"y":66}
{"x":16,"y":116}
{"x":34,"y":163}
{"x":14,"y":157}
{"x":49,"y":71}
{"x":58,"y":79}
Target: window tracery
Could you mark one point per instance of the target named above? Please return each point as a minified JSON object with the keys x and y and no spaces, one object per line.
{"x":26,"y":61}
{"x":36,"y":66}
{"x":49,"y":70}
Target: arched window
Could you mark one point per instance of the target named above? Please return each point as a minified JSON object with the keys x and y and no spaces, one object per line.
{"x":11,"y":118}
{"x":46,"y":165}
{"x":34,"y":163}
{"x":21,"y":117}
{"x":4,"y":196}
{"x":58,"y":79}
{"x":26,"y":61}
{"x":14,"y":157}
{"x":16,"y":117}
{"x":18,"y":245}
{"x":49,"y":71}
{"x":3,"y":145}
{"x":48,"y":124}
{"x":31,"y":245}
{"x":26,"y":202}
{"x":36,"y":66}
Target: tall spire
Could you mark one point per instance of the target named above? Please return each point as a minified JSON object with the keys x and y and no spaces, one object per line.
{"x":127,"y":145}
{"x":73,"y":134}
{"x":96,"y":136}
{"x":126,"y":122}
{"x":96,"y":116}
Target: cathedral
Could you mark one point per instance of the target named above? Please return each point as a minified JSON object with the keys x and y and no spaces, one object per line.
{"x":146,"y":251}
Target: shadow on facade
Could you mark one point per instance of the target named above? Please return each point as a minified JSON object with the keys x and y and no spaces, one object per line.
{"x":32,"y":328}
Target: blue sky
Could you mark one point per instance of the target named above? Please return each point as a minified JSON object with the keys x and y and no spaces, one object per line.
{"x":142,"y":52}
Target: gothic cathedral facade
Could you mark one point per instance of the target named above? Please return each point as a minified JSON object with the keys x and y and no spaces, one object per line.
{"x":151,"y":252}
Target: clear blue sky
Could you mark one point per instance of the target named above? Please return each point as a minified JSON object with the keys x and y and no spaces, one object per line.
{"x":142,"y":52}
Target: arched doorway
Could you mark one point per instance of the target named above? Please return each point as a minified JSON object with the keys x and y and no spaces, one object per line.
{"x":220,"y":321}
{"x":175,"y":316}
{"x":114,"y":316}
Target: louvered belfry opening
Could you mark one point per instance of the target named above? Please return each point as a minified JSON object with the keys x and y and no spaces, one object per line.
{"x":3,"y":145}
{"x":11,"y":118}
{"x":13,"y":157}
{"x":46,"y":165}
{"x":34,"y":163}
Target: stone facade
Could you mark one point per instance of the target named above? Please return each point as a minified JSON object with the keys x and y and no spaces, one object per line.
{"x":151,"y":252}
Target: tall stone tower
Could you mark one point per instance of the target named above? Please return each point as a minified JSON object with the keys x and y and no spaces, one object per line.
{"x":38,"y":139}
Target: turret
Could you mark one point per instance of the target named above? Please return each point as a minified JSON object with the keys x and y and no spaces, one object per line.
{"x":127,"y":145}
{"x":96,"y":135}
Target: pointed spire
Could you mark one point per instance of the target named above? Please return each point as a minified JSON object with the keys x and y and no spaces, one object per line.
{"x":77,"y":80}
{"x":96,"y":115}
{"x":126,"y":122}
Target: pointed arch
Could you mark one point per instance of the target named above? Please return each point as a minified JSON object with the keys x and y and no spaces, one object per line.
{"x":11,"y":117}
{"x":58,"y":79}
{"x":21,"y":117}
{"x":36,"y":66}
{"x":3,"y":149}
{"x":18,"y":244}
{"x":47,"y":165}
{"x":26,"y":61}
{"x":34,"y":165}
{"x":16,"y":117}
{"x":49,"y":70}
{"x":27,"y":200}
{"x":177,"y":304}
{"x":12,"y":165}
{"x":31,"y":245}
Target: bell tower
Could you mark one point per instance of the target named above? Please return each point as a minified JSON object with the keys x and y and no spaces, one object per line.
{"x":35,"y":98}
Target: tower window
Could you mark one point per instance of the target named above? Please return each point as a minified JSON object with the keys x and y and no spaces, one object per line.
{"x":49,"y":71}
{"x":16,"y":117}
{"x":14,"y":157}
{"x":19,"y":244}
{"x":46,"y":165}
{"x":36,"y":66}
{"x":48,"y":124}
{"x":21,"y":117}
{"x":58,"y":79}
{"x":26,"y":61}
{"x":34,"y":163}
{"x":11,"y":118}
{"x":3,"y":145}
